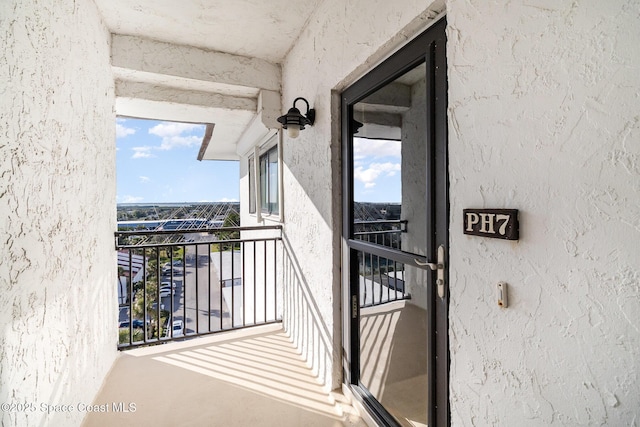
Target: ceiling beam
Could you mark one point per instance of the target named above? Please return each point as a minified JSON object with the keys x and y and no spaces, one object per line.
{"x":140,"y":54}
{"x":159,"y":93}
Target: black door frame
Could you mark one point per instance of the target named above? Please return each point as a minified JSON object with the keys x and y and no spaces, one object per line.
{"x":430,"y":48}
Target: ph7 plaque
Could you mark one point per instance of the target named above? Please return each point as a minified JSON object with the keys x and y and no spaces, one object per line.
{"x":494,"y":223}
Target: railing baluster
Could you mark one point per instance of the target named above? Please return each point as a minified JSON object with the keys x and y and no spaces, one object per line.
{"x":158,"y":298}
{"x":170,"y":319}
{"x":370,"y":273}
{"x":364,"y":278}
{"x":242,"y":284}
{"x":221,"y":284}
{"x":197,"y":295}
{"x":233,"y":279}
{"x":395,"y":281}
{"x":254,"y":284}
{"x":209,"y":285}
{"x":380,"y":278}
{"x":144,"y":293}
{"x":275,"y":280}
{"x":184,"y":290}
{"x":265,"y":280}
{"x":388,"y":279}
{"x":130,"y":286}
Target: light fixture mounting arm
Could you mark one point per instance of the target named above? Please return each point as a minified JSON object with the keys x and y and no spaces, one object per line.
{"x":310,"y":114}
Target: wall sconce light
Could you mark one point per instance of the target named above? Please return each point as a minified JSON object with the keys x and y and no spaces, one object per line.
{"x":294,"y":121}
{"x":355,"y":126}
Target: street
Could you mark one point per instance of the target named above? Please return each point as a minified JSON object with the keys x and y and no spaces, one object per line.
{"x":197,"y":300}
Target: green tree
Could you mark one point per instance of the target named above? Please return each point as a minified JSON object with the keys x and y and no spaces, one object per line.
{"x":231,"y":220}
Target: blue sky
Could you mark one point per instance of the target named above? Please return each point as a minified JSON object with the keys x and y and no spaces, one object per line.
{"x":376,"y":170}
{"x":157,"y":162}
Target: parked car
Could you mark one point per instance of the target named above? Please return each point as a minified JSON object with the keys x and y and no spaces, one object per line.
{"x":167,"y":288}
{"x":167,"y":284}
{"x":167,"y":266}
{"x":137,"y":323}
{"x":178,"y":328}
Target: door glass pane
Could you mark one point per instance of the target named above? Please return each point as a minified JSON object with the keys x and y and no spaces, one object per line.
{"x":390,"y":209}
{"x":393,"y":333}
{"x":389,"y":155}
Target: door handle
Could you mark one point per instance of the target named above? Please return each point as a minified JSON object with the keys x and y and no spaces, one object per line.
{"x":439,"y":267}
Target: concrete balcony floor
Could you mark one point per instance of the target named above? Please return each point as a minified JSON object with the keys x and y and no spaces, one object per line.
{"x":251,"y":377}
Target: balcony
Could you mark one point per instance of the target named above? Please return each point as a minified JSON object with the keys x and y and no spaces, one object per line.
{"x":249,"y":377}
{"x":202,"y":338}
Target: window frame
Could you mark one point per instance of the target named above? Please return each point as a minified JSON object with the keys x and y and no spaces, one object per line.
{"x":272,"y":145}
{"x":252,"y":184}
{"x":269,"y":202}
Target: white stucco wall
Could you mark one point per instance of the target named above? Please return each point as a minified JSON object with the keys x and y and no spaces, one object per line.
{"x":544,"y":117}
{"x":57,"y":208}
{"x":341,"y":41}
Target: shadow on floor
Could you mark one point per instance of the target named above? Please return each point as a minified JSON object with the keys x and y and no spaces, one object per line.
{"x":252,"y":377}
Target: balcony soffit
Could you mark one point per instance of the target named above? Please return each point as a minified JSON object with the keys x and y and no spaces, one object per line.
{"x":254,"y":35}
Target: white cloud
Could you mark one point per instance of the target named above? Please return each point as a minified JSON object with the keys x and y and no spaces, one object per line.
{"x":226,"y":200}
{"x":141,"y":152}
{"x":171,"y":142}
{"x":123,"y":131}
{"x":175,"y":135}
{"x":376,"y":148}
{"x":369,"y":176}
{"x":130,"y":199}
{"x":144,"y":179}
{"x":167,"y":129}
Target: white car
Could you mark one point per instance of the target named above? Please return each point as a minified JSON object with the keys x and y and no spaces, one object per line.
{"x":167,"y":288}
{"x":176,"y":263}
{"x":177,"y":267}
{"x":178,"y":328}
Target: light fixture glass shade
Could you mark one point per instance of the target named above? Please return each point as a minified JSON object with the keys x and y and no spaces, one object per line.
{"x":293,"y":131}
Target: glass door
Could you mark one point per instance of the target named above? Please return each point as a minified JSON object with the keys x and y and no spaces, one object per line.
{"x":395,"y":219}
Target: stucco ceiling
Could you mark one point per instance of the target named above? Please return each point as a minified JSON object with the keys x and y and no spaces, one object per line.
{"x":263,"y":29}
{"x":256,"y":28}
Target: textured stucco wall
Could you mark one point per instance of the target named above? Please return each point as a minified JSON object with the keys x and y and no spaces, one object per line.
{"x":544,"y":117}
{"x":340,"y":42}
{"x":57,"y":208}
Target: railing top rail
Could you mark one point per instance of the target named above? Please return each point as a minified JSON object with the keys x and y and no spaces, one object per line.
{"x":195,"y":230}
{"x":210,"y":242}
{"x":381,"y":221}
{"x":370,"y":233}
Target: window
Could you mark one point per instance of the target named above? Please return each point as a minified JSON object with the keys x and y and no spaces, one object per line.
{"x":264,"y":179}
{"x":269,"y":182}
